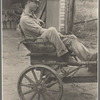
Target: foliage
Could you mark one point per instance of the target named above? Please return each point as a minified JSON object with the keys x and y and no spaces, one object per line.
{"x":87,"y":32}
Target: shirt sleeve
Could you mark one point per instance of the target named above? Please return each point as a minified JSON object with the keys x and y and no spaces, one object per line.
{"x":31,"y":25}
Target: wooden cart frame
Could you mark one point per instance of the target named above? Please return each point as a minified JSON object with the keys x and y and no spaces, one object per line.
{"x":41,"y":81}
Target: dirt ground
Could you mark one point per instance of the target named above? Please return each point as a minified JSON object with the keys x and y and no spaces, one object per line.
{"x":15,"y":61}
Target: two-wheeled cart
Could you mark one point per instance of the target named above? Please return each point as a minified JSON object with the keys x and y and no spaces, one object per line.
{"x":42,"y":81}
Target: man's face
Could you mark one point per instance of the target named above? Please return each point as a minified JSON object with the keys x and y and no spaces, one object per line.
{"x":33,"y":5}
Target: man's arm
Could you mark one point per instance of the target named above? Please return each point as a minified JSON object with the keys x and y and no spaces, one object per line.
{"x":29,"y":24}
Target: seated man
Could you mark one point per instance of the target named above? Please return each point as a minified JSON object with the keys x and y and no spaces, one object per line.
{"x":31,"y":27}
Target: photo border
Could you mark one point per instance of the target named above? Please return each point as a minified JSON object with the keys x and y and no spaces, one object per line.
{"x":98,"y":82}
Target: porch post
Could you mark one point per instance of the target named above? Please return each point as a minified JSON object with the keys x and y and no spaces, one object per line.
{"x":69,"y":16}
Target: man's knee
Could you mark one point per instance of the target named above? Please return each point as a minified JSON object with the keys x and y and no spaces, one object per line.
{"x":74,"y":42}
{"x":52,"y":30}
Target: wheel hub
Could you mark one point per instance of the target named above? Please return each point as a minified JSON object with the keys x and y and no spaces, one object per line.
{"x":40,"y":88}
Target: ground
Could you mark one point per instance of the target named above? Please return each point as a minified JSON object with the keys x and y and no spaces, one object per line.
{"x":15,"y":61}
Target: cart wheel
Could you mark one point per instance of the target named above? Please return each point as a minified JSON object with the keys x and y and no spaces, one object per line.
{"x":39,"y":82}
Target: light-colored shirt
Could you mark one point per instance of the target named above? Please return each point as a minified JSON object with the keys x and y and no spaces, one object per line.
{"x":30,"y":25}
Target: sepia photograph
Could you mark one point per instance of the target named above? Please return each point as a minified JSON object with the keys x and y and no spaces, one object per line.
{"x":49,"y":49}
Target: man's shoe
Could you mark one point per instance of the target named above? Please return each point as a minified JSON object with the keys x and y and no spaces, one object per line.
{"x":65,"y":56}
{"x":68,"y":58}
{"x":93,"y":68}
{"x":71,"y":61}
{"x":94,"y":57}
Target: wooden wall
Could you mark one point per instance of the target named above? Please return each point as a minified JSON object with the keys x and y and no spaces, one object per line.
{"x":53,"y":13}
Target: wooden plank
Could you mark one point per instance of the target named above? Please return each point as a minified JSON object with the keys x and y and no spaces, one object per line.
{"x":71,"y":20}
{"x":66,"y":15}
{"x":46,"y":55}
{"x":80,"y":79}
{"x":43,"y":16}
{"x":85,"y":21}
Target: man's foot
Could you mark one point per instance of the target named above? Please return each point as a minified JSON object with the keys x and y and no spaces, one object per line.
{"x":65,"y":56}
{"x":93,"y":68}
{"x":68,"y":58}
{"x":94,"y":57}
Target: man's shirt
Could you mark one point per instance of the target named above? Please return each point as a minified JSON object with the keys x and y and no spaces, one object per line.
{"x":30,"y":25}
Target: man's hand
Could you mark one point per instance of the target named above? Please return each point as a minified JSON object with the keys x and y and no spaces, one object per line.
{"x":42,"y":30}
{"x":71,"y":36}
{"x":67,"y":36}
{"x":42,"y":23}
{"x":61,"y":35}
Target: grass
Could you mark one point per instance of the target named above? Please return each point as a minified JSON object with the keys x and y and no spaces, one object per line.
{"x":85,"y":10}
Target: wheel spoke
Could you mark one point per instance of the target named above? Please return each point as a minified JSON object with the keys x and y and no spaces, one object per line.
{"x":29,"y":79}
{"x":41,"y":75}
{"x":48,"y":94}
{"x":38,"y":96}
{"x":47,"y":77}
{"x":52,"y":93}
{"x":30,"y":91}
{"x":33,"y":96}
{"x":51,"y":84}
{"x":34,"y":75}
{"x":43,"y":96}
{"x":26,"y":85}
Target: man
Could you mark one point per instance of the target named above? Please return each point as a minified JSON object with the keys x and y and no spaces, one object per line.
{"x":31,"y":27}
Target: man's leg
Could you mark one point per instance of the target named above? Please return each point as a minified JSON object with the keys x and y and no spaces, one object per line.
{"x":81,"y":51}
{"x":78,"y":48}
{"x":52,"y":36}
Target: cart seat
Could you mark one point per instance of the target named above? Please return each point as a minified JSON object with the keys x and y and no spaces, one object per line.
{"x":40,"y":50}
{"x":39,"y":47}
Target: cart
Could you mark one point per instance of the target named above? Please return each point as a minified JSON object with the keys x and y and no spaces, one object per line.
{"x":44,"y":78}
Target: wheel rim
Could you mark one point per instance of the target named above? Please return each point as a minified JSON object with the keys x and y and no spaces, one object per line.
{"x":39,"y":82}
